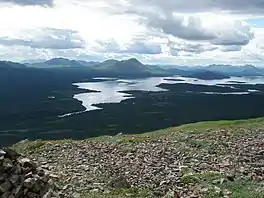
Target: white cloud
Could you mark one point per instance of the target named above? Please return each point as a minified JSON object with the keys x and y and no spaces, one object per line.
{"x":231,"y":48}
{"x":46,"y":38}
{"x":178,"y":32}
{"x":141,"y":47}
{"x":239,"y":33}
{"x":135,"y":46}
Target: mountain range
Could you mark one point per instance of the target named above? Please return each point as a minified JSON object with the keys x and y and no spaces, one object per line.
{"x":134,"y":68}
{"x":231,"y":70}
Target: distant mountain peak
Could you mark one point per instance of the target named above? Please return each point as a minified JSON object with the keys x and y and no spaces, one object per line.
{"x":110,"y":61}
{"x":58,"y":59}
{"x":134,"y":60}
{"x":250,"y":66}
{"x":129,"y":66}
{"x":63,"y":62}
{"x":9,"y":64}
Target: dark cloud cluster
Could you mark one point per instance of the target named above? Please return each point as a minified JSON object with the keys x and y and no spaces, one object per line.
{"x":30,"y":2}
{"x":191,"y":6}
{"x":174,"y":25}
{"x":176,"y":48}
{"x":190,"y":28}
{"x":49,"y":39}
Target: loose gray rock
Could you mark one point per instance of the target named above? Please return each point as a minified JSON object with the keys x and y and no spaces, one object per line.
{"x":157,"y":164}
{"x":119,"y":182}
{"x":11,"y":154}
{"x":2,"y":153}
{"x":28,"y":183}
{"x":6,"y":186}
{"x":14,"y":179}
{"x":19,"y":178}
{"x":7,"y":164}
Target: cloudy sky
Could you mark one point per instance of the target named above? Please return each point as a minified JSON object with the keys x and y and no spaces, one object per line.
{"x":184,"y":32}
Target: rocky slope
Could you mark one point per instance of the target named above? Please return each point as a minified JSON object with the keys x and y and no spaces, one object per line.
{"x":201,"y":160}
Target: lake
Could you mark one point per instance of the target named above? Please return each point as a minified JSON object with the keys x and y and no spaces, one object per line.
{"x":111,"y":90}
{"x":130,"y":106}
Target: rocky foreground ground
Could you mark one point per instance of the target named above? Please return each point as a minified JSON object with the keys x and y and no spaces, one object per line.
{"x":198,"y":161}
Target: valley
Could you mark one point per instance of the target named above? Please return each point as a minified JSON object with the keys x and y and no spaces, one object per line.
{"x":73,"y":99}
{"x":33,"y":108}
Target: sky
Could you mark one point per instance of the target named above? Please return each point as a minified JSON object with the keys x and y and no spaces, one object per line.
{"x":182,"y":32}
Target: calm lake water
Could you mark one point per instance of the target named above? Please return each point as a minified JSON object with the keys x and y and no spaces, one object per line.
{"x":110,"y":90}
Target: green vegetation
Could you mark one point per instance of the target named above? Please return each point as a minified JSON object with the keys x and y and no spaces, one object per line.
{"x":206,"y":126}
{"x":189,"y":179}
{"x":130,"y":192}
{"x":241,"y":189}
{"x":235,"y":189}
{"x":128,"y":149}
{"x":216,"y":185}
{"x":202,"y":127}
{"x":204,"y":178}
{"x":26,"y":146}
{"x":223,"y":123}
{"x":120,"y":193}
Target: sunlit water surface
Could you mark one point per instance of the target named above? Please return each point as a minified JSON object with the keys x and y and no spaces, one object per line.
{"x":110,"y":89}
